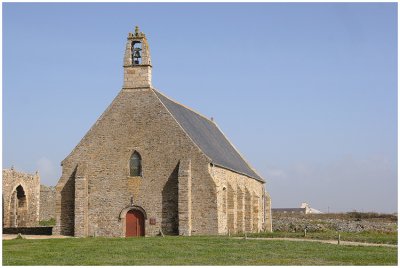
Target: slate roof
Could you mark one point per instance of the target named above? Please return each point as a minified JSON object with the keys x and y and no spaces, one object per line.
{"x":209,"y":138}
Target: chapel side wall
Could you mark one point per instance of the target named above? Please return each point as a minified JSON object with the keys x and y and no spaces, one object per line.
{"x":31,"y":185}
{"x":251,"y":194}
{"x":137,"y":120}
{"x":65,"y":200}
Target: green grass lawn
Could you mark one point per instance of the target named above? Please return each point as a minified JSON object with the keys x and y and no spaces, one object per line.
{"x":367,"y":237}
{"x":189,"y":251}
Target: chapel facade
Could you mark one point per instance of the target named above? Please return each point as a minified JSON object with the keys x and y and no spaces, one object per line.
{"x":150,"y":165}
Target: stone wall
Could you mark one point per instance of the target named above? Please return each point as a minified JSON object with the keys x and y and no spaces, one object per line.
{"x":21,"y":196}
{"x":241,"y":205}
{"x":331,"y":222}
{"x":137,"y":77}
{"x":47,"y":203}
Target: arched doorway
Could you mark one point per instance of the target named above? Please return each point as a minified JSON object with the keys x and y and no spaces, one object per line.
{"x":134,"y":223}
{"x":18,"y":208}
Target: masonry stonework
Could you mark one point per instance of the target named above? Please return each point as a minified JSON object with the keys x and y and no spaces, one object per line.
{"x":245,"y":210}
{"x":21,"y":197}
{"x":176,"y":188}
{"x":47,"y":203}
{"x":107,"y":148}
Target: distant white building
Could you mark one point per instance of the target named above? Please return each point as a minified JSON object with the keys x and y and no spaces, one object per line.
{"x":303,"y":209}
{"x":309,"y":210}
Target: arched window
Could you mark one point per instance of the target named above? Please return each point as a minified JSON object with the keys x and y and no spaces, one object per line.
{"x":135,"y":165}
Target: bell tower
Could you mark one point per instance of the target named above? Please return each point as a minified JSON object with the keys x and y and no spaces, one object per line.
{"x":137,"y":62}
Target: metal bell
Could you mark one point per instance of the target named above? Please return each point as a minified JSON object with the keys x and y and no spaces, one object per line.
{"x":136,"y":53}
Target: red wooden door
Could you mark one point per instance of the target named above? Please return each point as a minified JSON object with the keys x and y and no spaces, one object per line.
{"x":134,"y":223}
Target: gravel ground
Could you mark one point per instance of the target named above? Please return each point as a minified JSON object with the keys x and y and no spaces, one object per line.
{"x":13,"y":236}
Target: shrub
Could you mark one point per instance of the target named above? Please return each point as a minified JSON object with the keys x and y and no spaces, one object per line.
{"x":50,"y":222}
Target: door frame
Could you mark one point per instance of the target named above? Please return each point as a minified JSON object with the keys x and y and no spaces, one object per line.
{"x":122,"y":218}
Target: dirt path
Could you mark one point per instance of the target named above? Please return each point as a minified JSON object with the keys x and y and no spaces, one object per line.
{"x":346,"y":243}
{"x":335,"y":242}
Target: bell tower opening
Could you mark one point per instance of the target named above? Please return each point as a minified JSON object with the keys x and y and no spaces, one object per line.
{"x":136,"y":50}
{"x":137,"y":62}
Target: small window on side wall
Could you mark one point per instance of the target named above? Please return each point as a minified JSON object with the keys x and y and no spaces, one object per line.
{"x":135,"y":165}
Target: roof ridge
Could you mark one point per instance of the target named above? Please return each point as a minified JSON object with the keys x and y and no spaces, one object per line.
{"x":184,"y":106}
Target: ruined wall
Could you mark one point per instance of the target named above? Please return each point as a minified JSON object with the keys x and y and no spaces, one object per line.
{"x":47,"y":203}
{"x":135,"y":121}
{"x":21,"y":197}
{"x":241,"y":205}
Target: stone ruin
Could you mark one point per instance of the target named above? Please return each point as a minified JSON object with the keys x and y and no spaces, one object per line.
{"x":25,"y":201}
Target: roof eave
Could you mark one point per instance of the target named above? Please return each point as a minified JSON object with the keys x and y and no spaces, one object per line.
{"x":241,"y":173}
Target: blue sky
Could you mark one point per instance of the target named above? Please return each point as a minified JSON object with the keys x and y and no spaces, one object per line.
{"x":306,"y":92}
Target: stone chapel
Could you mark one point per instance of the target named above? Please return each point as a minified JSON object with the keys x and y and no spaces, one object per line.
{"x":150,"y":166}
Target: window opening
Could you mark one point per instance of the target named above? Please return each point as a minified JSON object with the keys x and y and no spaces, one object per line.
{"x":135,"y":165}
